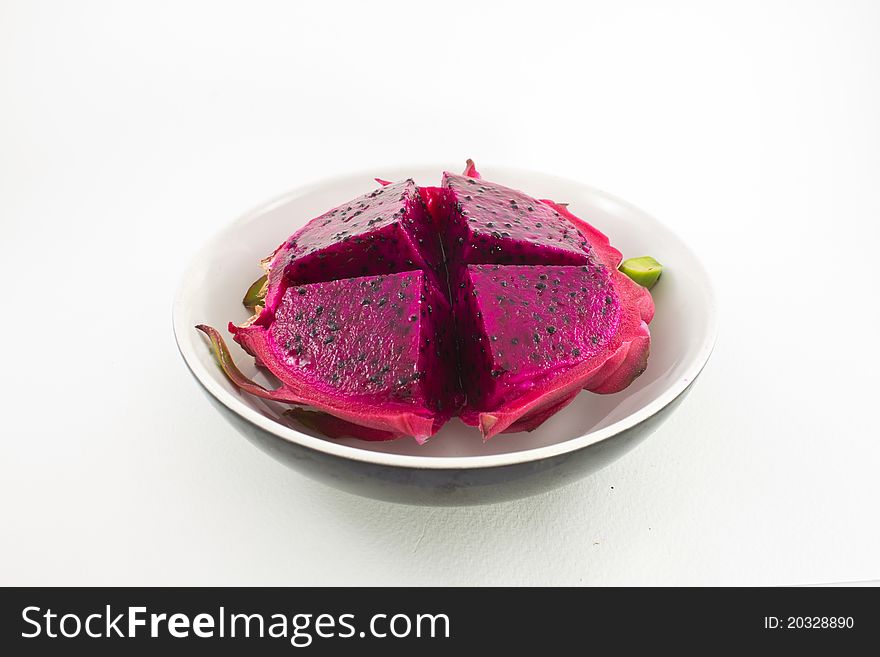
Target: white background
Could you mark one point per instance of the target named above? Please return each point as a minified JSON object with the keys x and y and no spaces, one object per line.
{"x":130,"y":132}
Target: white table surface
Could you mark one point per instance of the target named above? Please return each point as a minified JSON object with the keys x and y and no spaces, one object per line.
{"x":130,"y":132}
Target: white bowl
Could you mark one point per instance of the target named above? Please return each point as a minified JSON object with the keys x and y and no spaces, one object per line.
{"x":455,"y":466}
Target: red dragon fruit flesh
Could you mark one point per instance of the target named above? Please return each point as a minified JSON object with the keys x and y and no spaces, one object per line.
{"x":394,"y":312}
{"x":534,"y":335}
{"x":375,"y":351}
{"x":487,"y":222}
{"x":388,"y":230}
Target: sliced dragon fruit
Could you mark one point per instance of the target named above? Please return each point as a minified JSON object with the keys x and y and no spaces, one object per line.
{"x":534,"y":335}
{"x":355,"y":314}
{"x":386,"y":231}
{"x":631,"y":292}
{"x":489,"y":223}
{"x":375,"y":351}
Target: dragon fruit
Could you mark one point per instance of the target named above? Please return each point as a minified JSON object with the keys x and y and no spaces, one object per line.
{"x":490,"y":223}
{"x":392,"y":313}
{"x":388,"y":230}
{"x":534,"y":335}
{"x":374,"y":351}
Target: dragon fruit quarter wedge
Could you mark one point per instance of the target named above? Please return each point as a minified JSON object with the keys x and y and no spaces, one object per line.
{"x":391,"y":314}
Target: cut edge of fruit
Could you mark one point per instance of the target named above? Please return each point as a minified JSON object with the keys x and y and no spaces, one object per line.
{"x":530,"y":410}
{"x":396,"y":422}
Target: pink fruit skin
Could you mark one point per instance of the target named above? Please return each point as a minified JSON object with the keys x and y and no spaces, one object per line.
{"x":391,"y":425}
{"x":470,"y":170}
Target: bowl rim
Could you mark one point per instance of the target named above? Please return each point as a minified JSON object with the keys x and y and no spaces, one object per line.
{"x":186,"y":347}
